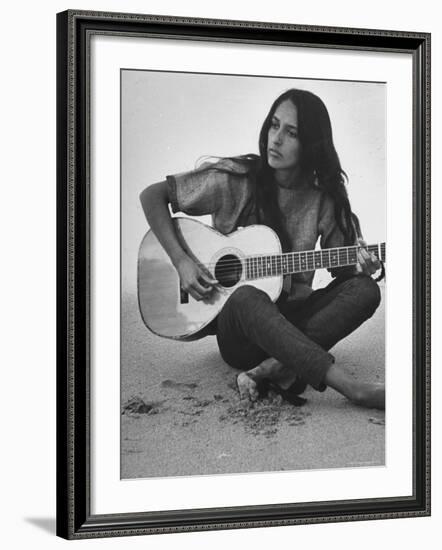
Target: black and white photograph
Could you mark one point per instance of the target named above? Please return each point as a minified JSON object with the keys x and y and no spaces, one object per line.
{"x":229,"y":355}
{"x":253,"y":274}
{"x":205,"y":344}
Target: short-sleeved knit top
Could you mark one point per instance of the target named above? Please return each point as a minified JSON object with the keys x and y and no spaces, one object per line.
{"x":225,"y":191}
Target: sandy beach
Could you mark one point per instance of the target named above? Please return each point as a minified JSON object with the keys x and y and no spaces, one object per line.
{"x":181,"y":414}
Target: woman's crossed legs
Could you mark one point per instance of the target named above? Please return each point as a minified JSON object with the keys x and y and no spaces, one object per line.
{"x":291,"y":341}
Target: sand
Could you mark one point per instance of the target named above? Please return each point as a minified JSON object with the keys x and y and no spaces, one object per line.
{"x":181,"y":413}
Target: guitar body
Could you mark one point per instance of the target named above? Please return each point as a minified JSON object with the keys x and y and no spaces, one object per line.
{"x":169,"y":312}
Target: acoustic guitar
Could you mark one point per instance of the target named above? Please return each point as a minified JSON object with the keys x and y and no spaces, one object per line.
{"x":248,"y":256}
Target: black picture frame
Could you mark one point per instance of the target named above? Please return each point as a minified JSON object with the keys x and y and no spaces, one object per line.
{"x":74,"y":518}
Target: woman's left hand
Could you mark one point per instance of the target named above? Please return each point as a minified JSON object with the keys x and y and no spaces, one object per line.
{"x":368,"y":263}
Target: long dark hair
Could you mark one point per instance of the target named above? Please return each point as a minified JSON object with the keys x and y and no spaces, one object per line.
{"x":319,"y":166}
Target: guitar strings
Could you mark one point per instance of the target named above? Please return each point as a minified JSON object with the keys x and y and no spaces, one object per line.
{"x":225,"y":269}
{"x":280,"y":260}
{"x":282,"y":257}
{"x":240,"y":264}
{"x":285,"y":257}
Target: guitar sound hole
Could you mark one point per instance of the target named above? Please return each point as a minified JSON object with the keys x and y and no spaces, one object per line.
{"x":228,"y":270}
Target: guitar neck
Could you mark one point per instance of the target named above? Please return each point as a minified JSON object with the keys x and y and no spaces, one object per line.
{"x":258,"y":267}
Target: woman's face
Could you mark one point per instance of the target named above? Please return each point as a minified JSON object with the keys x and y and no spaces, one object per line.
{"x":283,"y":147}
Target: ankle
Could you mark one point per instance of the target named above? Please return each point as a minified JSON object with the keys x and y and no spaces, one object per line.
{"x":265,"y":369}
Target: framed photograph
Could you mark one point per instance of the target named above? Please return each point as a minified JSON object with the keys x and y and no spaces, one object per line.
{"x":234,"y":348}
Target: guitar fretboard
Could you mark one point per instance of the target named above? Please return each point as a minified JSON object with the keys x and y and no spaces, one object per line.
{"x":258,"y":267}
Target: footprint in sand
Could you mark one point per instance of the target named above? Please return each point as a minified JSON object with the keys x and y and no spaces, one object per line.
{"x":136,"y":406}
{"x":379,"y":421}
{"x":181,"y":386}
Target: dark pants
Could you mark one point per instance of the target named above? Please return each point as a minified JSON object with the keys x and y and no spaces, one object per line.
{"x":251,"y":328}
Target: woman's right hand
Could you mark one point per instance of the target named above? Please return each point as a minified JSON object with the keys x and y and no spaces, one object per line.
{"x":194,"y":279}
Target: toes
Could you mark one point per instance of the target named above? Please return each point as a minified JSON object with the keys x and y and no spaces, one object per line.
{"x":253,"y":392}
{"x":241,"y":383}
{"x":248,"y":389}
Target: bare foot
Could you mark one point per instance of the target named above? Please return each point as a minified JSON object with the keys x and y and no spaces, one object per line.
{"x":370,"y":395}
{"x":363,"y":394}
{"x":272,"y":369}
{"x":248,"y":388}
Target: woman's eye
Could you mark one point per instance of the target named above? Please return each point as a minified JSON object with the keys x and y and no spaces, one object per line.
{"x":274,"y":124}
{"x":293,"y":134}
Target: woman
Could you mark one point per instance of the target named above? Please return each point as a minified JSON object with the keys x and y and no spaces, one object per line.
{"x":296,"y":186}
